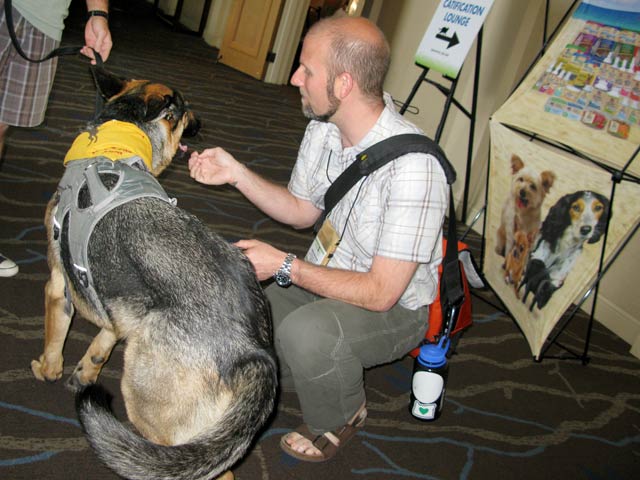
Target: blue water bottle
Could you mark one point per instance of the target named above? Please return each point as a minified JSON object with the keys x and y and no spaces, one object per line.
{"x":430,"y":372}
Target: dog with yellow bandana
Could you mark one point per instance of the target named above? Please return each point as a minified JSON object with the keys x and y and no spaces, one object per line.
{"x":199,"y":373}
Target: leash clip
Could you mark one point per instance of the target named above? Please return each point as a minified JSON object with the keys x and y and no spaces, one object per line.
{"x":56,"y":228}
{"x":81,"y":272}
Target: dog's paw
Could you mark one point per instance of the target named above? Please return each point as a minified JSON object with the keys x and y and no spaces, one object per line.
{"x":45,"y":370}
{"x":80,"y":378}
{"x":544,"y":293}
{"x":74,"y":384}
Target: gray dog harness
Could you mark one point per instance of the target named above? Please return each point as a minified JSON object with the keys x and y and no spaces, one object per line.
{"x":134,"y":181}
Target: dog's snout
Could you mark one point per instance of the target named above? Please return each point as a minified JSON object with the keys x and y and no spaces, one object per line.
{"x":585,"y":230}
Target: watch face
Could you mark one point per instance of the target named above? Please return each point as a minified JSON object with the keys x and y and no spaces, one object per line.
{"x":282,"y":279}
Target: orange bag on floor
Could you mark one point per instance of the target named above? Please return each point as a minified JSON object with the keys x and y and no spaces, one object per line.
{"x":465,"y":318}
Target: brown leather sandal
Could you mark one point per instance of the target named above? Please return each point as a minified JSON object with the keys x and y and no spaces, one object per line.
{"x":328,"y":443}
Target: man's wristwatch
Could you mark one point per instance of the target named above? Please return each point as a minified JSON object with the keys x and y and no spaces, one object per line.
{"x":283,"y":275}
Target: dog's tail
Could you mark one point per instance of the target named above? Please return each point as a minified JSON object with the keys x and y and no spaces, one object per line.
{"x":205,"y":457}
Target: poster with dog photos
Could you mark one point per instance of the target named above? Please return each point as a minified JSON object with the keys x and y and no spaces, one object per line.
{"x":546,"y":215}
{"x":585,"y":91}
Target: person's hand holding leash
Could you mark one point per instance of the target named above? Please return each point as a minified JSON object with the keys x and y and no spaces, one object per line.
{"x":96,"y":33}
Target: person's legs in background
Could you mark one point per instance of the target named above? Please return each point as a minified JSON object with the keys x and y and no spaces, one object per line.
{"x":8,"y":268}
{"x":24,"y":88}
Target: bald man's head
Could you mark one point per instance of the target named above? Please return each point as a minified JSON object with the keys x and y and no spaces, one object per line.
{"x":358,"y":47}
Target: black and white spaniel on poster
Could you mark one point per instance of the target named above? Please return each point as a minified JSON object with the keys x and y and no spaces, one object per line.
{"x":575,"y":219}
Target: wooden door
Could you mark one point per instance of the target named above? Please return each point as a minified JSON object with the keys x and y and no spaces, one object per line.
{"x":249,"y":34}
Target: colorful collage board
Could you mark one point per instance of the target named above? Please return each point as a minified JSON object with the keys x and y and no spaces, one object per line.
{"x":549,"y":210}
{"x":596,"y":79}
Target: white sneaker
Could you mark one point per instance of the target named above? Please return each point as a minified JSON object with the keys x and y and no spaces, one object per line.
{"x":8,"y":267}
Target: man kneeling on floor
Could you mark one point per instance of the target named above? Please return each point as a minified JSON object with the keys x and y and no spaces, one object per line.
{"x":360,"y":297}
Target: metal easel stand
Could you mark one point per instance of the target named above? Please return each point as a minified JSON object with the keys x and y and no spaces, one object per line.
{"x":449,"y":93}
{"x":617,"y":177}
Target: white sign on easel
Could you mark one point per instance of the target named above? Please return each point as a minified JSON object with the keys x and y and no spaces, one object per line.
{"x":450,"y":34}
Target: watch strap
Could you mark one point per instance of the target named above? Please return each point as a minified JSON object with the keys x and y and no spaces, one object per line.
{"x":283,"y":275}
{"x":97,"y":13}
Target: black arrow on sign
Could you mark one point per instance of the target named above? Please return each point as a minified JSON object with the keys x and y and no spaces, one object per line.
{"x":453,"y":39}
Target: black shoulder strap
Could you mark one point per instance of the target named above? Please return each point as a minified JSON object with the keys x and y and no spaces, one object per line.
{"x":375,"y":157}
{"x":393,"y":147}
{"x":451,"y":286}
{"x":381,"y":153}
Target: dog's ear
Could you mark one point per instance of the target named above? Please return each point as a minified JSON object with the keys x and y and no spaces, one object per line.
{"x":159,"y":107}
{"x":601,"y":226}
{"x":516,"y":164}
{"x":557,"y":220}
{"x":547,"y":177}
{"x":107,"y":83}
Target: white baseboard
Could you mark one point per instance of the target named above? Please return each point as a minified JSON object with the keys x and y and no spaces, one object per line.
{"x":620,"y":322}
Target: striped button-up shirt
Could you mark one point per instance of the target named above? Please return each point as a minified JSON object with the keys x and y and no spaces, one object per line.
{"x":395,"y":212}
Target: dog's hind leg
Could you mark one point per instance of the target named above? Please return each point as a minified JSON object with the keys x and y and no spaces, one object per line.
{"x":58,"y":313}
{"x":88,"y":368}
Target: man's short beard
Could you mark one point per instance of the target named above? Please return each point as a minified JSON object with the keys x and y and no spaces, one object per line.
{"x":334,"y":104}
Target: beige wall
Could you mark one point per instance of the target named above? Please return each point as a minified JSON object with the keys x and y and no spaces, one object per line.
{"x":509,"y":44}
{"x":512,"y":36}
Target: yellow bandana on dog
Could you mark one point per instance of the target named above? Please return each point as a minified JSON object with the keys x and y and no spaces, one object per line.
{"x":115,"y":140}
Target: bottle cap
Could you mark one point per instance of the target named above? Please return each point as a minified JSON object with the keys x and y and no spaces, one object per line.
{"x":434,"y":355}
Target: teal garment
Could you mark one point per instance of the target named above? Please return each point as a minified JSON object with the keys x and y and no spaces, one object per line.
{"x":46,"y":15}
